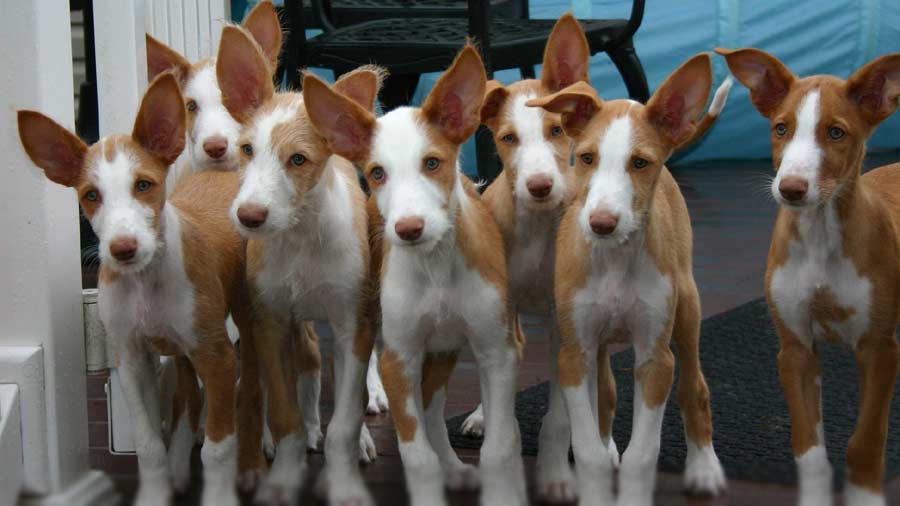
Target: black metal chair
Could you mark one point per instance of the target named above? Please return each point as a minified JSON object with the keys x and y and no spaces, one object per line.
{"x":351,"y":12}
{"x":409,"y":47}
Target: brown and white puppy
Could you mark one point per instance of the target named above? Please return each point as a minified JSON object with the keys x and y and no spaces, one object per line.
{"x":527,"y":200}
{"x":170,"y":274}
{"x":307,"y":259}
{"x":833,"y":272}
{"x":442,"y":273}
{"x":212,"y":134}
{"x":623,"y":274}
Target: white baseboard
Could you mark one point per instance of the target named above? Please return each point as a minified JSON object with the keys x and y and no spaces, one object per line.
{"x":24,"y":366}
{"x":94,"y":488}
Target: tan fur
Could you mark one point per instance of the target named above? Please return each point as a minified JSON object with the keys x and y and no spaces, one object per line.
{"x":398,"y":388}
{"x":869,"y":214}
{"x":667,"y":237}
{"x":436,"y":371}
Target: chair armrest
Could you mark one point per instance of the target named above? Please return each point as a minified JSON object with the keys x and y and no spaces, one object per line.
{"x":634,"y":22}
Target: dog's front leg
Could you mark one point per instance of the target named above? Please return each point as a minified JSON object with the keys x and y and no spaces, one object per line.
{"x":593,"y":464}
{"x":215,"y":362}
{"x":653,"y":373}
{"x":401,"y":371}
{"x":877,"y":362}
{"x":353,"y":344}
{"x":137,"y":373}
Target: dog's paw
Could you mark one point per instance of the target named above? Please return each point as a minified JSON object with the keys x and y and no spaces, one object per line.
{"x":462,"y":477}
{"x":367,"y":451}
{"x":249,"y":480}
{"x":313,"y":436}
{"x":703,"y":473}
{"x":473,"y":426}
{"x":556,"y":483}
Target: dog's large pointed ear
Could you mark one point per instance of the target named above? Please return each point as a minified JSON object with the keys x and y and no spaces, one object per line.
{"x":346,"y":125}
{"x":162,"y":58}
{"x":454,"y":105}
{"x":680,"y":99}
{"x":361,"y":85}
{"x":262,"y":22}
{"x":577,"y":104}
{"x":244,"y":75}
{"x":495,"y":96}
{"x":764,"y":75}
{"x":57,"y":151}
{"x":160,"y":124}
{"x":875,"y":88}
{"x":566,"y":56}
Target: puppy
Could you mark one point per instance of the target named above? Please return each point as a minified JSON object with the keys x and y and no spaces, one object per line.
{"x":832,"y":273}
{"x":623,"y":274}
{"x":441,"y":269}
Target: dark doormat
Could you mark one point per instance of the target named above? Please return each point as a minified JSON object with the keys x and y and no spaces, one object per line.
{"x":752,"y":433}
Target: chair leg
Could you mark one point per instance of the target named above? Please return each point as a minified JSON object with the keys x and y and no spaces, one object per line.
{"x":486,"y":156}
{"x":527,"y":71}
{"x":629,"y":65}
{"x":398,"y":90}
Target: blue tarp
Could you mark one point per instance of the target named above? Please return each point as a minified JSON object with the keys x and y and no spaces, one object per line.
{"x":821,"y":37}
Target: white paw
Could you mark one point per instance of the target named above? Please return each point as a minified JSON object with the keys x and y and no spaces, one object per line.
{"x":343,"y":487}
{"x":220,"y":496}
{"x":613,"y":453}
{"x":556,"y":483}
{"x":150,"y":495}
{"x":473,"y":426}
{"x":367,"y":451}
{"x":462,"y":477}
{"x":248,"y":480}
{"x":378,"y":401}
{"x":267,"y":443}
{"x":181,"y":476}
{"x":181,"y":445}
{"x":858,"y":496}
{"x":275,"y":494}
{"x":629,"y":499}
{"x":703,"y":473}
{"x":313,"y":436}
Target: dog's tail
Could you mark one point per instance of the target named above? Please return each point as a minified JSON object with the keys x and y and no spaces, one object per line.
{"x":712,"y":114}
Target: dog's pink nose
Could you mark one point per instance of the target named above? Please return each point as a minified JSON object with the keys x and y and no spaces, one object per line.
{"x":123,"y":249}
{"x":539,"y":186}
{"x":793,"y":188}
{"x":215,"y":146}
{"x":252,"y":215}
{"x":603,"y":222}
{"x":409,"y":228}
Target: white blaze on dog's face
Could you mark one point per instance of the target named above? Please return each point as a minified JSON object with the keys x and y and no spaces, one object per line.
{"x":819,"y":124}
{"x":120,"y":180}
{"x":282,"y":157}
{"x":409,"y":155}
{"x":531,"y":141}
{"x":621,"y":146}
{"x":212,"y":133}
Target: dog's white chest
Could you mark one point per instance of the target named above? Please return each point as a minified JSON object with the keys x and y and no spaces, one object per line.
{"x":437,"y":303}
{"x":622,"y":300}
{"x":531,"y":264}
{"x":158,"y":303}
{"x":820,"y":295}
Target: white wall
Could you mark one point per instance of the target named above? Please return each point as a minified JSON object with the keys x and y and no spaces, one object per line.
{"x":40,"y":269}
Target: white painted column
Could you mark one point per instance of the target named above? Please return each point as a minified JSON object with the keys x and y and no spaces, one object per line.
{"x":40,"y":268}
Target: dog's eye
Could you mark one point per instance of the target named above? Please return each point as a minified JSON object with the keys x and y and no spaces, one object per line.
{"x":556,"y":131}
{"x":835,"y":133}
{"x":639,"y":163}
{"x":297,"y":159}
{"x":92,"y":196}
{"x":192,"y":106}
{"x":143,"y":185}
{"x":509,"y":138}
{"x":377,"y":174}
{"x":247,"y":149}
{"x":432,"y":163}
{"x":780,"y":130}
{"x":587,"y":158}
